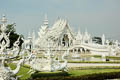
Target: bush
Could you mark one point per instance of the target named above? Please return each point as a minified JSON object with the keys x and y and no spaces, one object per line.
{"x":39,"y":75}
{"x":100,"y":76}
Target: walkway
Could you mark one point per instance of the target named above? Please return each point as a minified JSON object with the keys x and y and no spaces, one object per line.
{"x":91,"y":64}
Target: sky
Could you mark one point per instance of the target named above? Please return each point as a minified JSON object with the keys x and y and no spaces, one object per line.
{"x":97,"y":16}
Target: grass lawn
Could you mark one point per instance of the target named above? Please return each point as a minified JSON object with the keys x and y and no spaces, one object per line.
{"x":72,"y":73}
{"x":113,"y":57}
{"x":23,"y":71}
{"x":91,"y":71}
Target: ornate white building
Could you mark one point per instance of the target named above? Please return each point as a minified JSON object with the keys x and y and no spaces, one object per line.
{"x":61,"y":35}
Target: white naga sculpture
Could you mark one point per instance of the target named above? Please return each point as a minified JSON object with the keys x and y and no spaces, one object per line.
{"x":48,"y":62}
{"x":6,"y":73}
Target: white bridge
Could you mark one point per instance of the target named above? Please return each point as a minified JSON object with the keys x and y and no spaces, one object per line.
{"x":92,"y":47}
{"x":95,"y":49}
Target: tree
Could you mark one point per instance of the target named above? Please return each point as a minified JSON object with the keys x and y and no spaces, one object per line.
{"x":97,"y":40}
{"x":10,"y":28}
{"x":13,"y":35}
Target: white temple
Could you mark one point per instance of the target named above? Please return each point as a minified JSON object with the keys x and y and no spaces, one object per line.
{"x":56,"y":43}
{"x":61,"y":35}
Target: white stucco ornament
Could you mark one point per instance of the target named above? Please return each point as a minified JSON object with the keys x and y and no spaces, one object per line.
{"x":6,"y":73}
{"x":48,"y":62}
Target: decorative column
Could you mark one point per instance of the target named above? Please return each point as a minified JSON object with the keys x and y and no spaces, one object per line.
{"x":61,"y":41}
{"x":73,"y":51}
{"x":103,"y":39}
{"x":85,"y":50}
{"x":69,"y":43}
{"x":81,"y":50}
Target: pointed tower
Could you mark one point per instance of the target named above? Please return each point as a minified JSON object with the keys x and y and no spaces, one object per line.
{"x":86,"y":32}
{"x":103,"y":39}
{"x":86,"y":37}
{"x":44,"y":28}
{"x":33,"y":35}
{"x":79,"y":35}
{"x":28,"y":44}
{"x":42,"y":32}
{"x":33,"y":39}
{"x":29,"y":36}
{"x":46,"y":20}
{"x":3,"y":21}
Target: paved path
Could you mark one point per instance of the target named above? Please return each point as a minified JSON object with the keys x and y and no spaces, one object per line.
{"x":91,"y":64}
{"x":87,"y":64}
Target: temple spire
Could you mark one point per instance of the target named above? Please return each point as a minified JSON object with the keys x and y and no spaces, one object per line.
{"x":46,"y":20}
{"x":86,"y":32}
{"x":103,"y":39}
{"x":79,"y":31}
{"x":33,"y":35}
{"x":79,"y":36}
{"x":33,"y":38}
{"x":29,"y":36}
{"x":3,"y":21}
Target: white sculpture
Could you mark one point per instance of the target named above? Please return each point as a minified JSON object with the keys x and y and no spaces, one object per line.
{"x":6,"y":73}
{"x":48,"y":62}
{"x":61,"y":66}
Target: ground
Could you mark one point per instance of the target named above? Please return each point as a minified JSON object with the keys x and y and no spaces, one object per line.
{"x":72,"y":73}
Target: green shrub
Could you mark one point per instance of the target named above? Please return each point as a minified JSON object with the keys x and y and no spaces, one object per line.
{"x":100,"y":76}
{"x":73,"y":74}
{"x":49,"y":74}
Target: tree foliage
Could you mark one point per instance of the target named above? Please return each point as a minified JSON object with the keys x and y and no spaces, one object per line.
{"x":10,"y":28}
{"x":13,"y":35}
{"x":97,"y":40}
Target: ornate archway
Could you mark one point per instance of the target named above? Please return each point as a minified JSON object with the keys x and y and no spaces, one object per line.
{"x":65,"y":40}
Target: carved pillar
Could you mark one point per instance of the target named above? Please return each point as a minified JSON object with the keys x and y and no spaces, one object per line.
{"x":73,"y":51}
{"x":61,"y":40}
{"x":85,"y":50}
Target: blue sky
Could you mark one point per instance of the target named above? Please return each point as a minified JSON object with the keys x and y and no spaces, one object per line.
{"x":98,"y":16}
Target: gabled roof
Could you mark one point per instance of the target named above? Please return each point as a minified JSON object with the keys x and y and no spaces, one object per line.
{"x":58,"y":29}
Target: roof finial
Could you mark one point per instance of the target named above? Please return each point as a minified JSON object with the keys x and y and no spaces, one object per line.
{"x":79,"y":36}
{"x":103,"y":39}
{"x":79,"y":31}
{"x":46,"y":20}
{"x":4,"y":19}
{"x":86,"y":31}
{"x":29,"y":36}
{"x":33,"y":34}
